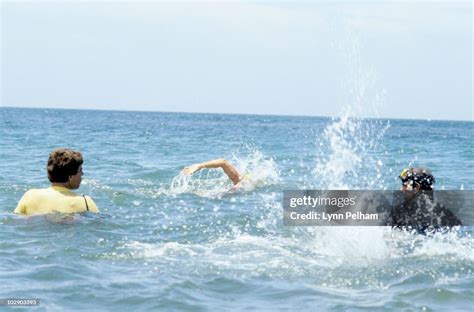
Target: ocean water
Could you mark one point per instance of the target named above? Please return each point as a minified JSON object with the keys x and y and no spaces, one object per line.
{"x":168,"y":242}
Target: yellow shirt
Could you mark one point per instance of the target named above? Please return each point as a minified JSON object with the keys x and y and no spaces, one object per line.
{"x":53,"y":199}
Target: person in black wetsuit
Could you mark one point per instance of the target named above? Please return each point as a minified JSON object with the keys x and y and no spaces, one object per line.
{"x":418,"y":209}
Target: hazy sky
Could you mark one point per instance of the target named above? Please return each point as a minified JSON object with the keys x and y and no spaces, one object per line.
{"x":395,"y":59}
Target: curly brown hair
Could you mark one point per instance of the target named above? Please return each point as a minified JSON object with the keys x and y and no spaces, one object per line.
{"x":62,"y":163}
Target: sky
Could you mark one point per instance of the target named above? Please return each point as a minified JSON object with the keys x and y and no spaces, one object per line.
{"x":388,"y":59}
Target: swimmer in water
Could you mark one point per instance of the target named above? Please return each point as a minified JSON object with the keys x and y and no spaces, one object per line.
{"x":229,"y":170}
{"x":65,"y":174}
{"x":419,"y":210}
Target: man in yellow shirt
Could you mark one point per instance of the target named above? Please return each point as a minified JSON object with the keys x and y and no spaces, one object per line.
{"x":65,"y":174}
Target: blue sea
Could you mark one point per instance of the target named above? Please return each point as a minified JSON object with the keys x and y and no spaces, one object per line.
{"x":169,"y":242}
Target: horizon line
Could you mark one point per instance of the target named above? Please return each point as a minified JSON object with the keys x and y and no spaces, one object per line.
{"x":216,"y":113}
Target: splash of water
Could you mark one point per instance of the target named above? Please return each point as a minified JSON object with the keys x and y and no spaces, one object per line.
{"x":335,"y":265}
{"x":259,"y":170}
{"x":345,"y":158}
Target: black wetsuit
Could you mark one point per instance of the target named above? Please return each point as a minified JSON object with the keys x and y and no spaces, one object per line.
{"x":421,"y":213}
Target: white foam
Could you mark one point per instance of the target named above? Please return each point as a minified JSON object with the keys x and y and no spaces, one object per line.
{"x":448,"y":244}
{"x":260,"y":171}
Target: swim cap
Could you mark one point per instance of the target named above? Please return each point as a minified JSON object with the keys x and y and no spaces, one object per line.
{"x":421,"y":176}
{"x":246,"y":176}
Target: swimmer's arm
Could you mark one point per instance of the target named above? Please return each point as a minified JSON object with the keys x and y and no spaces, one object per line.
{"x":229,"y":170}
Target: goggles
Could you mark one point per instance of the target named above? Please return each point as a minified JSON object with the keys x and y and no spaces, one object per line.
{"x":417,"y":175}
{"x":406,"y":174}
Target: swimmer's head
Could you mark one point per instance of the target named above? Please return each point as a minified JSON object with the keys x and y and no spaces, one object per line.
{"x":65,"y":166}
{"x":417,"y":179}
{"x":247,"y":176}
{"x":244,"y":181}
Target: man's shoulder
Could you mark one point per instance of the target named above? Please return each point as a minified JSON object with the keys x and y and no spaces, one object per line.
{"x":38,"y":191}
{"x":88,"y":198}
{"x":27,"y":200}
{"x":91,"y":203}
{"x":34,"y":192}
